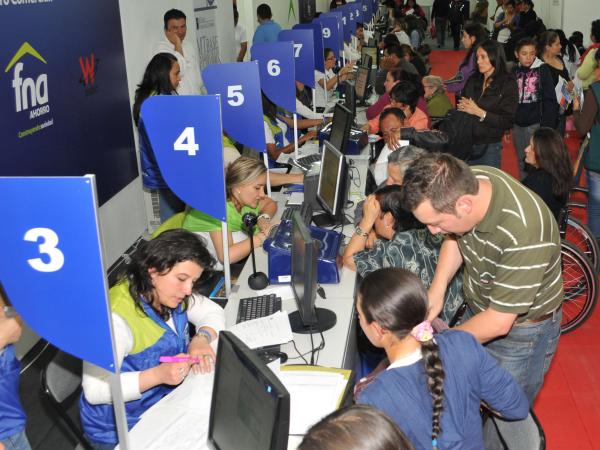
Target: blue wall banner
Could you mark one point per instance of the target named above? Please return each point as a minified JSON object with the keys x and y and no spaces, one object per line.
{"x":276,"y":66}
{"x":51,"y":263}
{"x":238,"y":84}
{"x":331,"y":24}
{"x":65,"y":105}
{"x":186,"y":135}
{"x":304,"y":54}
{"x":318,"y":42}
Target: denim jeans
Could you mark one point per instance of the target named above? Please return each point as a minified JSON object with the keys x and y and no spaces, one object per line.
{"x":17,"y":441}
{"x":491,"y":155}
{"x":440,"y":27}
{"x":593,"y":212}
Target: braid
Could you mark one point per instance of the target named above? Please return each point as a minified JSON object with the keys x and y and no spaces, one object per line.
{"x":435,"y":384}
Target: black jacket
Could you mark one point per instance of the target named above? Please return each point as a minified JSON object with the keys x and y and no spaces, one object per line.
{"x":440,"y":8}
{"x":537,"y":99}
{"x":499,"y":101}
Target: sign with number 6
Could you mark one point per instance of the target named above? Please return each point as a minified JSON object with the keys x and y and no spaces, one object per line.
{"x":277,"y":70}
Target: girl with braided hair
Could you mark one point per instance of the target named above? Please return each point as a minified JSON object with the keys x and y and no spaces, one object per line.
{"x":433,"y":386}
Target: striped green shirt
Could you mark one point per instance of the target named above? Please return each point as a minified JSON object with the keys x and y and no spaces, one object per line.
{"x":512,"y":257}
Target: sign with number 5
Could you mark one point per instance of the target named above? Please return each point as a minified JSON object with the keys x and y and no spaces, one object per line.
{"x":276,"y":67}
{"x":238,"y":84}
{"x":51,"y":263}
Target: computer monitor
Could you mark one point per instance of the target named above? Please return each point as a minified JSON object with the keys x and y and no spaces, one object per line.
{"x":361,"y":83}
{"x":340,"y":127}
{"x":366,"y":61}
{"x":307,"y":319}
{"x":350,"y":98}
{"x":332,"y":188}
{"x":371,"y":51}
{"x":250,"y":407}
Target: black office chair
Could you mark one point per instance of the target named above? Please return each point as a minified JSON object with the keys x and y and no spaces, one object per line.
{"x":528,"y":435}
{"x":61,"y":385}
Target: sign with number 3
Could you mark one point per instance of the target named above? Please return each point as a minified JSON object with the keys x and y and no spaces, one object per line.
{"x":51,"y":263}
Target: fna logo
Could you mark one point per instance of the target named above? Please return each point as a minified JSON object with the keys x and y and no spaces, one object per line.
{"x":89,"y":66}
{"x":30,"y":87}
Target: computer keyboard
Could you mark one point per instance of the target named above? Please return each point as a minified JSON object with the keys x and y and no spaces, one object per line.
{"x":307,"y":161}
{"x":306,"y":212}
{"x":256,"y":307}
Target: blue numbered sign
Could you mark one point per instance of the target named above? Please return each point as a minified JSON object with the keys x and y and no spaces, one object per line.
{"x":358,"y":12}
{"x":51,"y":263}
{"x":276,"y":66}
{"x":348,"y":22}
{"x":238,"y":84}
{"x":367,"y":7}
{"x":317,"y":40}
{"x":332,"y":32}
{"x":186,"y":136}
{"x":304,"y":54}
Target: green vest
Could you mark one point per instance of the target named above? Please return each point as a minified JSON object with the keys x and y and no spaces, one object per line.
{"x":146,"y":332}
{"x":200,"y":222}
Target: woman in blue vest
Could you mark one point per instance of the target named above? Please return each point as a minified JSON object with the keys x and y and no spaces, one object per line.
{"x":151,"y":307}
{"x":277,"y":134}
{"x":161,"y":78}
{"x":12,"y":416}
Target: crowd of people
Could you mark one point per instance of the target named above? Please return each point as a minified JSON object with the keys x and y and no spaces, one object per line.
{"x":436,"y":231}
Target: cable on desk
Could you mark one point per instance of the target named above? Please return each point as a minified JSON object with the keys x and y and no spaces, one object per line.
{"x":300,"y":355}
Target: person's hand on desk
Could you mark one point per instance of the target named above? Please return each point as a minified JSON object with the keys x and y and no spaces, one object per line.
{"x":201,"y":349}
{"x":171,"y":373}
{"x":312,"y":134}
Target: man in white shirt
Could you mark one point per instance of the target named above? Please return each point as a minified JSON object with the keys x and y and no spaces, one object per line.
{"x":185,"y":51}
{"x":241,"y":37}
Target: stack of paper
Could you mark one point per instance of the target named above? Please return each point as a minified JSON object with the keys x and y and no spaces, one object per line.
{"x":271,"y":330}
{"x":314,"y":393}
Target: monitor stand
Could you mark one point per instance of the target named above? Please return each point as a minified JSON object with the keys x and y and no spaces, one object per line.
{"x":326,"y":319}
{"x":326,"y":220}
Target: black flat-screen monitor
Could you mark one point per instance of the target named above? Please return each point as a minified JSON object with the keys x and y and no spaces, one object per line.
{"x":350,"y":99}
{"x":332,"y":187}
{"x":250,"y":407}
{"x":307,"y":319}
{"x":367,"y":61}
{"x":361,"y":83}
{"x":371,"y":51}
{"x":340,"y":127}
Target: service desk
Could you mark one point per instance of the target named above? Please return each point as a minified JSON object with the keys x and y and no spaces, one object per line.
{"x":180,"y":420}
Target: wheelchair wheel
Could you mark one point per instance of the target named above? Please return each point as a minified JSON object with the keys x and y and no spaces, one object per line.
{"x":580,"y":287}
{"x":578,"y":234}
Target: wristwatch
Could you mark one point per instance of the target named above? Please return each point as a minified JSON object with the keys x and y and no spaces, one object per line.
{"x":483,"y":118}
{"x":358,"y":230}
{"x":264,"y":216}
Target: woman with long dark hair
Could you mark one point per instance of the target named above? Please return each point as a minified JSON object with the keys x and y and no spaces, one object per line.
{"x":433,"y":386}
{"x":160,"y":78}
{"x":552,"y":178}
{"x":491,"y":95}
{"x":473,"y":34}
{"x":150,"y":307}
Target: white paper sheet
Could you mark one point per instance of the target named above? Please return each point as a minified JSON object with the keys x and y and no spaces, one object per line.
{"x":271,"y":330}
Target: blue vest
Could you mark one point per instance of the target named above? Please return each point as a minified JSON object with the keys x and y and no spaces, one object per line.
{"x":151,"y":176}
{"x":278,"y":137}
{"x":12,"y":416}
{"x":98,"y":420}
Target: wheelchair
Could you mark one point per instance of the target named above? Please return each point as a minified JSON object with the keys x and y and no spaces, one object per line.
{"x":580,"y":261}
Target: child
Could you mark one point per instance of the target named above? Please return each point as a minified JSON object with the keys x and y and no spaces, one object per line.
{"x":537,"y":101}
{"x":433,"y":387}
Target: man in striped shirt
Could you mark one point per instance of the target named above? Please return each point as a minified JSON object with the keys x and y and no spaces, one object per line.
{"x":509,"y":244}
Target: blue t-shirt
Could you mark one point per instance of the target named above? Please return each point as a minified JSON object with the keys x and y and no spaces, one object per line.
{"x":266,"y":32}
{"x":471,"y":375}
